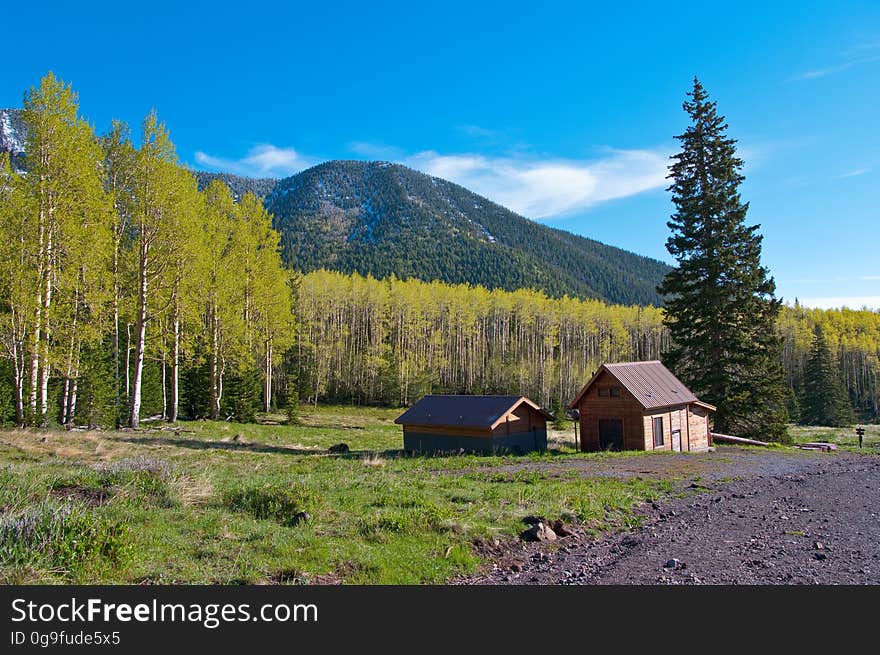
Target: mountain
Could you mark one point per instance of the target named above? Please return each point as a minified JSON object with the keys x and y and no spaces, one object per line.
{"x":259,"y":186}
{"x":382,"y":219}
{"x":12,"y":135}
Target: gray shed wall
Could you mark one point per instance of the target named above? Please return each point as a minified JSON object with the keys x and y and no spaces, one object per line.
{"x":523,"y":442}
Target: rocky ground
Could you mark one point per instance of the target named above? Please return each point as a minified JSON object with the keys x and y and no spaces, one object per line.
{"x":753,"y":517}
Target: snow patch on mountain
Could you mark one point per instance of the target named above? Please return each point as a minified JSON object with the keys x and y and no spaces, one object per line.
{"x":11,"y":131}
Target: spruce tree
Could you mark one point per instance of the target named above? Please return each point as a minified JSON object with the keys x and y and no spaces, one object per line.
{"x":720,"y":307}
{"x":825,"y":400}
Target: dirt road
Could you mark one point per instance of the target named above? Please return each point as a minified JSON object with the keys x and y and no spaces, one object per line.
{"x":785,"y":517}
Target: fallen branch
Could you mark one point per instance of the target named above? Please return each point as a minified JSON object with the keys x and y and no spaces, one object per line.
{"x":740,"y":440}
{"x":818,"y":445}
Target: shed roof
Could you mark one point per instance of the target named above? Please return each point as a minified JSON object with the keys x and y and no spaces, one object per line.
{"x":464,"y":411}
{"x":651,"y":384}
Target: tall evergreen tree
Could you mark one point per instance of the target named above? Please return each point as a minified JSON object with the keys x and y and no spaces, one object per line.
{"x":825,"y":400}
{"x":720,"y":305}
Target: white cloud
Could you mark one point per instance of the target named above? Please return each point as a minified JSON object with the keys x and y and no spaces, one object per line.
{"x":532,"y":186}
{"x":855,"y":173}
{"x":839,"y":68}
{"x":833,"y":302}
{"x":264,"y":160}
{"x":544,"y":188}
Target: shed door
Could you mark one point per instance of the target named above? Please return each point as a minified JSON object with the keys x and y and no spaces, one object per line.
{"x":676,"y":440}
{"x":610,"y":434}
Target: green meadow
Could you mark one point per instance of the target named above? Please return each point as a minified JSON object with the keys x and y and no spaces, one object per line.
{"x":227,"y":503}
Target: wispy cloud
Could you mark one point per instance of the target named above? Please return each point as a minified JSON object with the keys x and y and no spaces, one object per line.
{"x":854,"y":173}
{"x":534,"y":186}
{"x":546,"y":187}
{"x":834,"y":302}
{"x":837,"y":68}
{"x":264,"y":160}
{"x":870,"y":278}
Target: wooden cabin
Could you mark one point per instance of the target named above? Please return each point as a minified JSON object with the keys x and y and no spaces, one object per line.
{"x":474,"y":423}
{"x":641,"y":406}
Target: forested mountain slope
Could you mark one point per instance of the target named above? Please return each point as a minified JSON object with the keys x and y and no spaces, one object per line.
{"x":259,"y":186}
{"x":386,"y":219}
{"x":380,"y":218}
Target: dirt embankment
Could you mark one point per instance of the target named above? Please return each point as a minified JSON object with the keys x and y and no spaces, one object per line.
{"x":784,"y":518}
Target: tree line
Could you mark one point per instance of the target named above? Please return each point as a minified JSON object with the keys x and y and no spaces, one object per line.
{"x":115,"y":269}
{"x":364,"y":340}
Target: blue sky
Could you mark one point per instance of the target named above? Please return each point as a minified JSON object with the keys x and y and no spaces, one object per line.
{"x":564,"y":112}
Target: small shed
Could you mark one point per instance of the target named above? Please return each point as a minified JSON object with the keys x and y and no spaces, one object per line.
{"x":474,"y":423}
{"x":641,"y":406}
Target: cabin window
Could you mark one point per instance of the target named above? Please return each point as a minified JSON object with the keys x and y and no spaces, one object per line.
{"x":609,"y":392}
{"x":658,"y":431}
{"x":615,"y":392}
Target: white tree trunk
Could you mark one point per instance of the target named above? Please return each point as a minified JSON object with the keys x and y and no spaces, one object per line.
{"x":267,"y":391}
{"x":35,"y":352}
{"x":128,"y":361}
{"x":47,"y":303}
{"x":164,"y":388}
{"x":17,"y":352}
{"x":140,"y":345}
{"x":116,"y":332}
{"x":216,"y":382}
{"x":71,"y":410}
{"x":175,"y":370}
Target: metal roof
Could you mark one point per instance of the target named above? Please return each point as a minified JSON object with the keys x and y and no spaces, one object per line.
{"x":650,"y":383}
{"x":463,"y":411}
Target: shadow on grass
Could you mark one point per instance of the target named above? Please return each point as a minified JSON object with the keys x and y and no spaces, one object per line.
{"x":258,"y":447}
{"x":255,"y":447}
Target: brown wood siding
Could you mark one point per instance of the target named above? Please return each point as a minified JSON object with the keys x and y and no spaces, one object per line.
{"x":693,"y":421}
{"x":592,"y":408}
{"x":648,"y":423}
{"x":524,"y":419}
{"x":698,"y":423}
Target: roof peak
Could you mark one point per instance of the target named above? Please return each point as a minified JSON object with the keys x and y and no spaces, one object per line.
{"x":650,"y":383}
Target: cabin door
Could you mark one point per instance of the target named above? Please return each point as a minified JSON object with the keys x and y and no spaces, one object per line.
{"x":610,"y":434}
{"x":676,"y":440}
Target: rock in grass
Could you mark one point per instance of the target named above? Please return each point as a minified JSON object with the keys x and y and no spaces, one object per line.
{"x":339,"y":448}
{"x":300,"y":517}
{"x":539,"y":532}
{"x":561,"y":529}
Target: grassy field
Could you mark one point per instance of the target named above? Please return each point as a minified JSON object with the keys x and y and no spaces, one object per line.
{"x":227,"y":503}
{"x":843,"y":437}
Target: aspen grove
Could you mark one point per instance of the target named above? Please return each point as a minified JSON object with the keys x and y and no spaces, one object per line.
{"x":127,"y":293}
{"x":115,"y":268}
